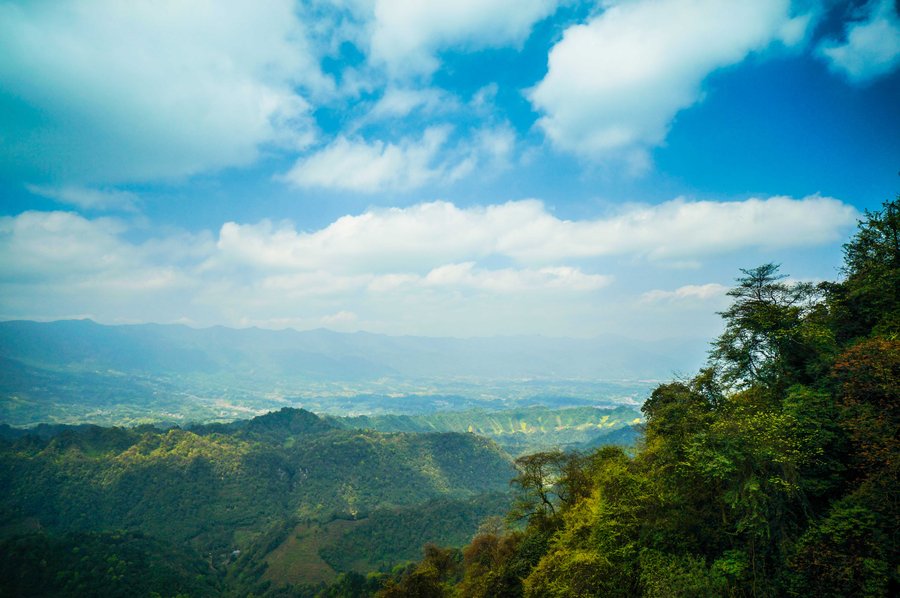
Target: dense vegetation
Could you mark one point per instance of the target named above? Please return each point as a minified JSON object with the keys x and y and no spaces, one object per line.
{"x":772,"y":472}
{"x":242,"y":487}
{"x":110,"y":564}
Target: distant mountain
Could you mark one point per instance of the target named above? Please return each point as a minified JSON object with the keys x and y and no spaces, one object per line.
{"x":322,"y":355}
{"x":520,"y":430}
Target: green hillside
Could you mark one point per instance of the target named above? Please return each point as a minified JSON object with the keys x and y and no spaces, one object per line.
{"x":519,"y":430}
{"x":225,"y":488}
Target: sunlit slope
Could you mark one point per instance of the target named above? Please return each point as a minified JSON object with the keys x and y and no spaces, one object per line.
{"x":517,"y":430}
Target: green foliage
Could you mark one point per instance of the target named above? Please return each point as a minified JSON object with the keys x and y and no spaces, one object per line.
{"x":202,"y":485}
{"x":769,"y":335}
{"x":869,"y":299}
{"x":239,"y":487}
{"x":843,"y":555}
{"x":114,"y":564}
{"x":667,"y":576}
{"x":433,"y":577}
{"x":520,"y":430}
{"x":388,"y":536}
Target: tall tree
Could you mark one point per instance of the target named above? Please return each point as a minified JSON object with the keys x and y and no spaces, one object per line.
{"x":868,"y":300}
{"x":768,"y":336}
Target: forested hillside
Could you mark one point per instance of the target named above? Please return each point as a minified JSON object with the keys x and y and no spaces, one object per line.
{"x":772,"y":472}
{"x":523,"y":430}
{"x":233,"y":492}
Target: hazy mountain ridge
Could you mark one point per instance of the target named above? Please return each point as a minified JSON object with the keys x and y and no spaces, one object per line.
{"x":327,"y":355}
{"x":78,"y":371}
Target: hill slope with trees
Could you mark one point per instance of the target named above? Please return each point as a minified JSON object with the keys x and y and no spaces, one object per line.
{"x":232,"y":492}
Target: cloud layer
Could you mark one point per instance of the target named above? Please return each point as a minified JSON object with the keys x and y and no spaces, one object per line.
{"x":407,"y":35}
{"x":368,"y":96}
{"x":483,"y":270}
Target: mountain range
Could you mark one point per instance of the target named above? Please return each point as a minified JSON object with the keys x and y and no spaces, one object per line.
{"x":324,"y":355}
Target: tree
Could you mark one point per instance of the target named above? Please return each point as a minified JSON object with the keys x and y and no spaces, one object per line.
{"x":868,"y":300}
{"x":869,"y":397}
{"x":768,"y":336}
{"x":548,"y":480}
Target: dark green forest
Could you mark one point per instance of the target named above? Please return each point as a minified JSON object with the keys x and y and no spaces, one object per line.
{"x":229,"y":495}
{"x":771,"y":472}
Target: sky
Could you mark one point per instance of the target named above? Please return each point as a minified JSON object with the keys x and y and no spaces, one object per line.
{"x":465,"y":168}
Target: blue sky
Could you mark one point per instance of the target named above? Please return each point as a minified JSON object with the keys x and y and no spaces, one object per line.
{"x":437,"y":168}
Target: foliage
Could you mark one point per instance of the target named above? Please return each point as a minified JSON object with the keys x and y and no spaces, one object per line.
{"x":110,"y":564}
{"x":868,"y":301}
{"x":390,"y":535}
{"x":238,"y":487}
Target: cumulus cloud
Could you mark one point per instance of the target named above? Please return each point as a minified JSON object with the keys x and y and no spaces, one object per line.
{"x":106,"y":91}
{"x":690,"y":292}
{"x":60,"y":264}
{"x":410,"y":239}
{"x":433,"y":268}
{"x":397,"y":102}
{"x":615,"y":83}
{"x":373,"y":166}
{"x":405,"y":36}
{"x":872,"y":46}
{"x":509,"y":280}
{"x":358,"y":165}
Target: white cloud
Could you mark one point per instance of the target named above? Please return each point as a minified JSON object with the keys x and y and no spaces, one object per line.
{"x":405,"y":36}
{"x":89,"y":199}
{"x":341,"y":319}
{"x":511,"y":280}
{"x":872,"y":47}
{"x":684,"y":229}
{"x":60,"y":244}
{"x":357,"y":165}
{"x":432,"y":268}
{"x":615,"y":83}
{"x":689,"y":292}
{"x":107,"y":91}
{"x":373,"y":166}
{"x":413,"y":239}
{"x":53,"y":261}
{"x":399,"y":102}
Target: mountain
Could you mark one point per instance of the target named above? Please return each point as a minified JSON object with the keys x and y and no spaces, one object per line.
{"x":235,"y":492}
{"x":203,"y":483}
{"x":520,"y":430}
{"x":326,"y":355}
{"x":78,"y":371}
